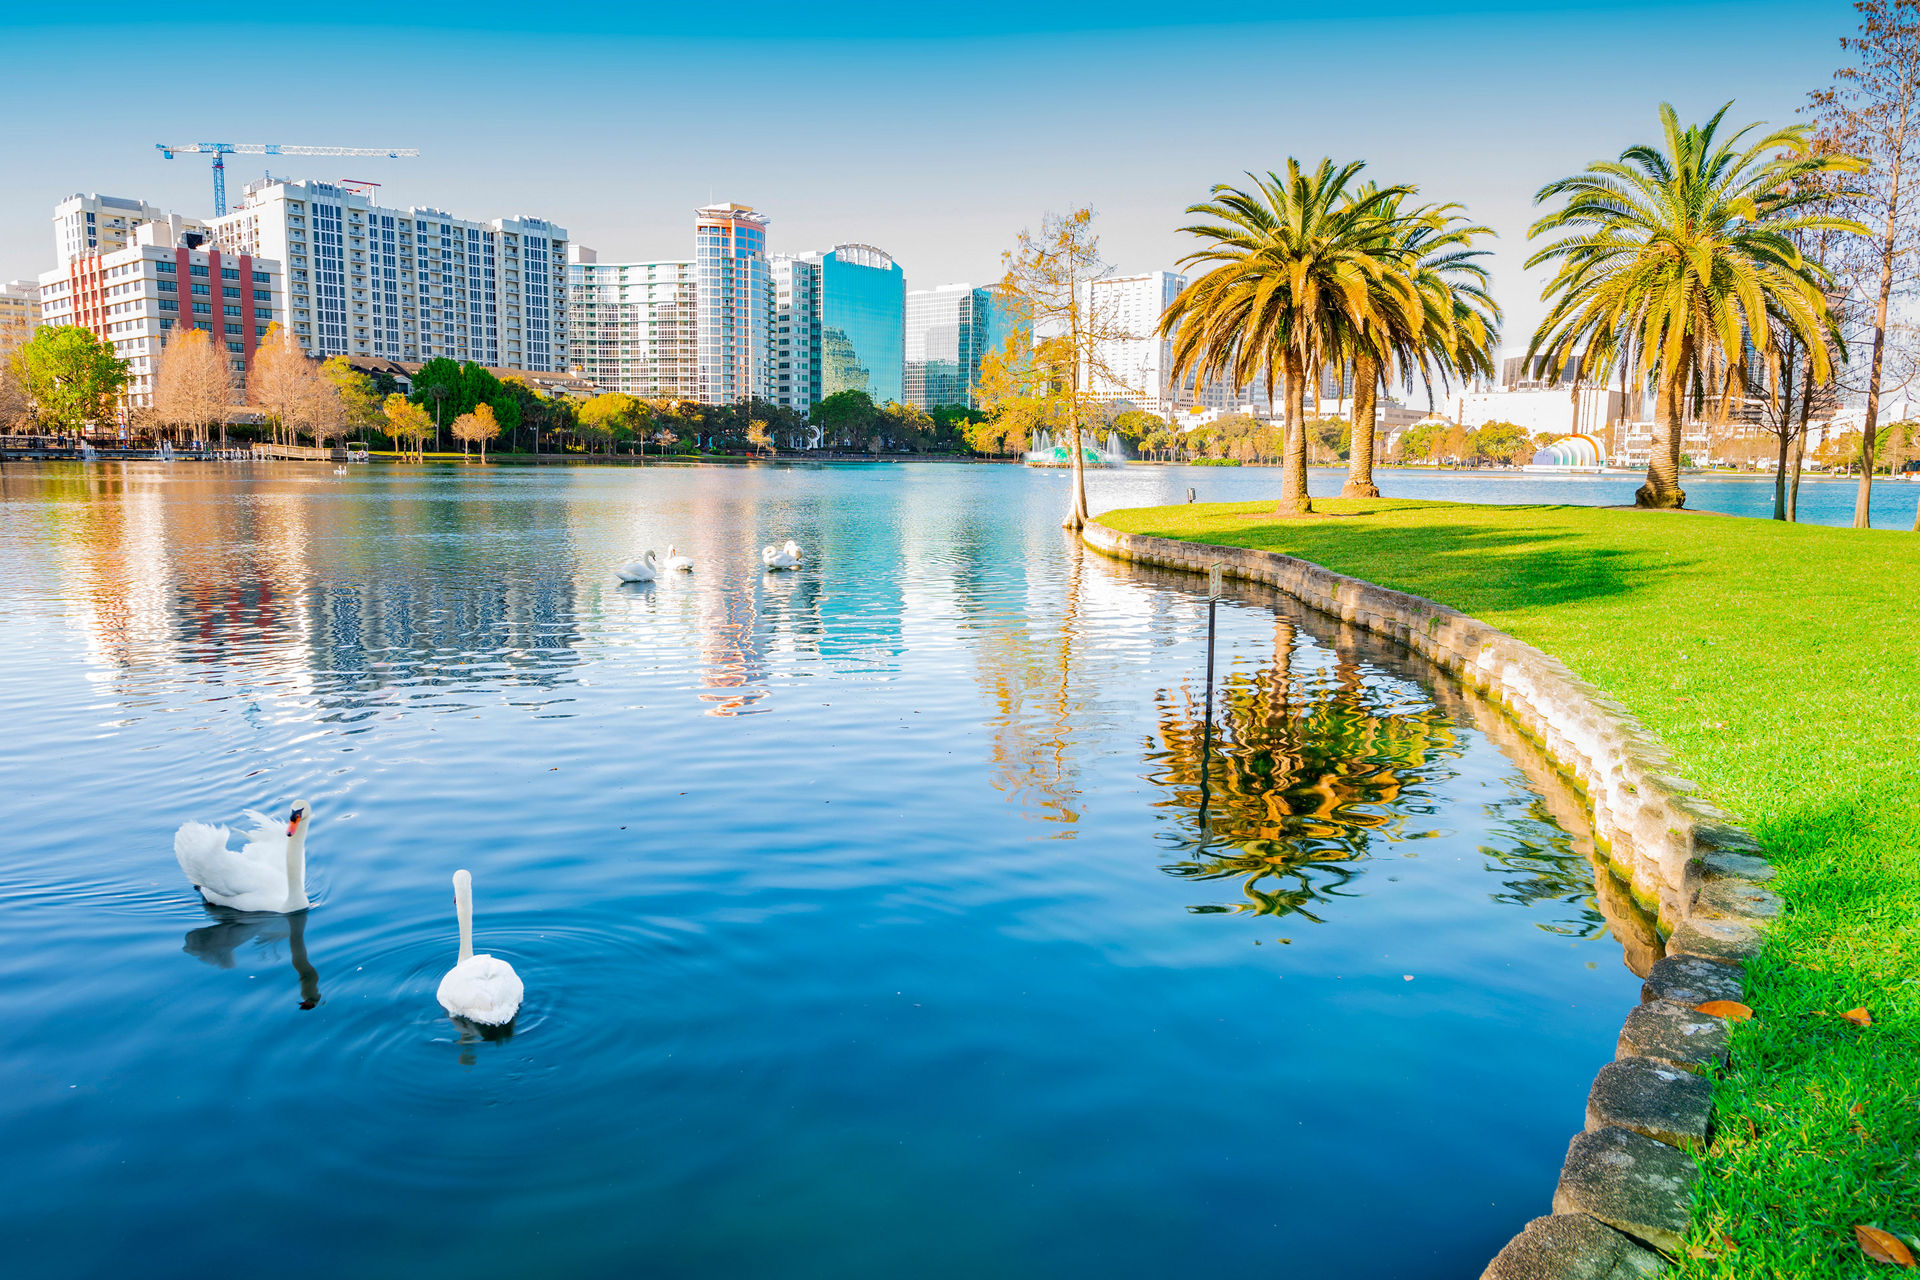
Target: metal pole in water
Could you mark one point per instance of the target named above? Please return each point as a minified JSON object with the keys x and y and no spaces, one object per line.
{"x":1206,"y":723}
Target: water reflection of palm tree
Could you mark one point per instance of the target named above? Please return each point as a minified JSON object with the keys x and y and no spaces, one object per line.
{"x":216,"y":943}
{"x":1306,"y":770}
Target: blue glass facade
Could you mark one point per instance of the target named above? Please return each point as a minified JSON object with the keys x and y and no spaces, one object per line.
{"x":863,"y":323}
{"x":949,"y":329}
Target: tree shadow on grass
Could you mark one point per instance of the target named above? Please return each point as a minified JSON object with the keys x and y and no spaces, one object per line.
{"x":1468,"y":566}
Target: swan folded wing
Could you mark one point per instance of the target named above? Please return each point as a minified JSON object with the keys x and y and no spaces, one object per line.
{"x":482,"y":989}
{"x":219,"y":871}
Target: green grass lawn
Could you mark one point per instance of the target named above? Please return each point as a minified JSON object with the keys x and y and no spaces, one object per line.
{"x":1781,"y":663}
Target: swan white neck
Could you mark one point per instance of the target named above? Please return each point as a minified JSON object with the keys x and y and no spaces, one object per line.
{"x":297,"y":865}
{"x":463,"y":908}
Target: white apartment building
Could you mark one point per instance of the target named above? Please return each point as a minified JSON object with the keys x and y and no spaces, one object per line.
{"x":632,"y":325}
{"x":1136,"y":367}
{"x":796,"y":330}
{"x":734,"y":304}
{"x":362,"y":279}
{"x":135,"y":296}
{"x":84,"y":224}
{"x":1551,"y":410}
{"x":19,"y":307}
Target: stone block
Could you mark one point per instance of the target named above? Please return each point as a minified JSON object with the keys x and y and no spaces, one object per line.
{"x":1728,"y":940}
{"x":1710,"y":864}
{"x":1674,"y":1034}
{"x":1654,"y":1100}
{"x":1732,"y":900}
{"x":1692,"y":981}
{"x":1633,"y":1184}
{"x":1572,"y":1246}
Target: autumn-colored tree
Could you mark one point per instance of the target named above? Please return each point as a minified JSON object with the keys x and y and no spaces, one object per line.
{"x":72,"y":377}
{"x":407,"y":422}
{"x":1020,"y":394}
{"x":280,"y":384}
{"x":357,"y":403}
{"x":194,"y":386}
{"x":16,"y":405}
{"x":1048,"y":289}
{"x":479,"y":425}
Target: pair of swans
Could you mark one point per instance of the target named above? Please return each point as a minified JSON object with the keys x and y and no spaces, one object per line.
{"x":269,"y":874}
{"x":787,"y":557}
{"x":648,"y":569}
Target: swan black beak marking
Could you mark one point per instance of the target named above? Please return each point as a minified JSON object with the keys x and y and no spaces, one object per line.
{"x":293,"y":820}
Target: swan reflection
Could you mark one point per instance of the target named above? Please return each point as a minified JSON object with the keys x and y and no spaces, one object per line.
{"x":216,"y":943}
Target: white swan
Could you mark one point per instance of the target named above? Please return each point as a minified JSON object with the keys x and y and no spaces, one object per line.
{"x":482,"y":989}
{"x":675,"y":560}
{"x":775,"y":558}
{"x":645,"y":569}
{"x":268,"y":873}
{"x":793,"y":549}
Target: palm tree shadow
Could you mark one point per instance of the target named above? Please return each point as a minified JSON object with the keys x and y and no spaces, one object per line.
{"x":217,"y":943}
{"x":1509,"y":568}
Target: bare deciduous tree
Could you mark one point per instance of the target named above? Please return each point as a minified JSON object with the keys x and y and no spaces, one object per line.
{"x":1875,"y":106}
{"x":194,"y":388}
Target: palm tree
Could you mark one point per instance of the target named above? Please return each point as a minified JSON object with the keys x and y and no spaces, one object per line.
{"x":1296,"y":264}
{"x":1458,"y":323}
{"x":1675,"y":259}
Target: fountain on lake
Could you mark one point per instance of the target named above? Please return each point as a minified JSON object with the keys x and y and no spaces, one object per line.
{"x":1047,"y":452}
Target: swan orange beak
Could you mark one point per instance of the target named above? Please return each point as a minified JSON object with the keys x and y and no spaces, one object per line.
{"x":293,"y":820}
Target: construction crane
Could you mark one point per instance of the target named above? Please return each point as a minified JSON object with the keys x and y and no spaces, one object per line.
{"x":221,"y":150}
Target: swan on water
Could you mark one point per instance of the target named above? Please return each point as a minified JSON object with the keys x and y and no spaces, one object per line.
{"x":793,"y":549}
{"x":483,"y":988}
{"x":645,"y":569}
{"x":675,"y":560}
{"x":775,"y":558}
{"x":268,"y":873}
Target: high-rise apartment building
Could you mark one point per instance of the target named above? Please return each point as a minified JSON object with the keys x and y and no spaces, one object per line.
{"x":1134,"y":369}
{"x":796,"y":331}
{"x":84,"y":224}
{"x":134,"y":296}
{"x":840,"y":325}
{"x":632,"y":326}
{"x":733,"y":304}
{"x":362,"y":279}
{"x":19,"y":306}
{"x":949,"y":329}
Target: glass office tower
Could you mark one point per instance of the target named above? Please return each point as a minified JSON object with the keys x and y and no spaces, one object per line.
{"x":863,"y":323}
{"x":949,"y":329}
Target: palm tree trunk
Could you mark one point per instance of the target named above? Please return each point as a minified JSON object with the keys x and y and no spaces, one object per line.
{"x":1662,"y":489}
{"x":1293,"y":475}
{"x":1366,"y":377}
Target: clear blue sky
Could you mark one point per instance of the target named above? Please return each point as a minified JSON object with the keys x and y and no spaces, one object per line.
{"x":935,"y":132}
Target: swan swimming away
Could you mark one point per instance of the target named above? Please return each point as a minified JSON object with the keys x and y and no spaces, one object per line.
{"x":483,"y":988}
{"x":645,"y":569}
{"x":775,"y":558}
{"x":268,"y":873}
{"x":675,"y":560}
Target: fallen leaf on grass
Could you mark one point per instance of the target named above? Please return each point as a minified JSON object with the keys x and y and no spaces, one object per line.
{"x":1883,"y":1246}
{"x":1858,"y":1017}
{"x":1725,"y":1009}
{"x":1857,"y":1109}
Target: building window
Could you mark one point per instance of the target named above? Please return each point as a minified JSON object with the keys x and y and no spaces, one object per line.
{"x":198,"y":268}
{"x":202,"y":291}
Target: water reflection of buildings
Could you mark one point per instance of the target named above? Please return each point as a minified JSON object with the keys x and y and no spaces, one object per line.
{"x":204,"y":566}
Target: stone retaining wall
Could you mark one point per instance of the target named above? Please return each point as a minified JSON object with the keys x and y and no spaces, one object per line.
{"x":1627,"y":1185}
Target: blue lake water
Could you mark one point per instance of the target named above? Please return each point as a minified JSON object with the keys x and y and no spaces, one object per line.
{"x":870,"y":919}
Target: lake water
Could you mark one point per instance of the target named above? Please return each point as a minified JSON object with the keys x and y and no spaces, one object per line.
{"x":884,"y":918}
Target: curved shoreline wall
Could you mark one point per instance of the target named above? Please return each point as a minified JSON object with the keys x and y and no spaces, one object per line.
{"x":1626,"y":1189}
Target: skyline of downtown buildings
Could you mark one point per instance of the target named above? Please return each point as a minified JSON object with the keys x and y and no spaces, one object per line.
{"x":732,"y":321}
